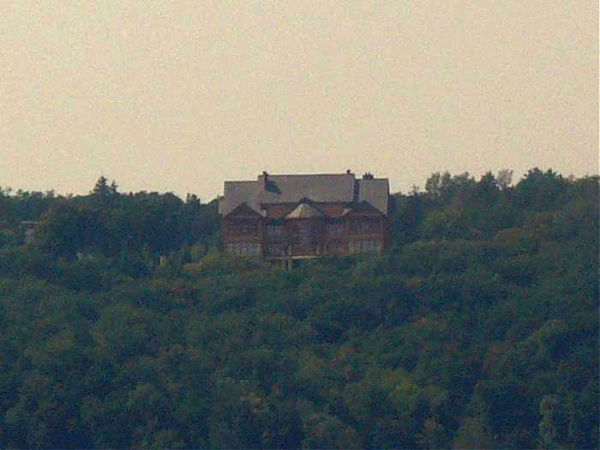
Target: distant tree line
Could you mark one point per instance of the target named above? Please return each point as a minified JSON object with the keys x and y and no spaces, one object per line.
{"x":112,"y":224}
{"x":478,"y":328}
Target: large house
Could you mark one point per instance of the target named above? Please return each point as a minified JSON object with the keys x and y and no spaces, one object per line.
{"x":286,"y":217}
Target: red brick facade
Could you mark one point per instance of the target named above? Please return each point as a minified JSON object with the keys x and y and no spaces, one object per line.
{"x":304,"y":228}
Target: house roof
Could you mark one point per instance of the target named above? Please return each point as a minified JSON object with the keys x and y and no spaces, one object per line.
{"x":304,"y":211}
{"x":319,"y":188}
{"x":375,"y":192}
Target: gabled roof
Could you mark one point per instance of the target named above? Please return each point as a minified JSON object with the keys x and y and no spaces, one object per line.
{"x":375,"y":192}
{"x":320,"y":188}
{"x":361,"y":208}
{"x":236,"y":193}
{"x":304,"y":210}
{"x":244,"y":210}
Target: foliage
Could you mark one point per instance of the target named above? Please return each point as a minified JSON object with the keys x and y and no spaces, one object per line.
{"x":477,"y":329}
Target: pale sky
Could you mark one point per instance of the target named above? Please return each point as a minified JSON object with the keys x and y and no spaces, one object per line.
{"x":182,"y":95}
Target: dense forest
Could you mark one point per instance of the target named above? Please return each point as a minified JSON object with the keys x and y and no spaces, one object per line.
{"x":122,"y":325}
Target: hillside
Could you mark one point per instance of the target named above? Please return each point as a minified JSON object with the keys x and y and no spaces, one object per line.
{"x":478,"y":328}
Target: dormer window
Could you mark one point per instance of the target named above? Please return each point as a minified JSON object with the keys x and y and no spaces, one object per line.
{"x":274,"y":230}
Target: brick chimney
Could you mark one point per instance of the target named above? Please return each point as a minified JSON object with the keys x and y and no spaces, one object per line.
{"x":265,"y":180}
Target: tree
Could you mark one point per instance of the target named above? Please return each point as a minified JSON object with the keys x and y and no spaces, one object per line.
{"x":103,"y":189}
{"x":541,"y":190}
{"x":504,"y":179}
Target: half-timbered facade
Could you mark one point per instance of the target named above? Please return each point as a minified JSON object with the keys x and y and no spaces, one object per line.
{"x":284,"y":217}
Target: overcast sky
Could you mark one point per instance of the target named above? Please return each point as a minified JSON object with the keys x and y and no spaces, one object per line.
{"x":183,"y":95}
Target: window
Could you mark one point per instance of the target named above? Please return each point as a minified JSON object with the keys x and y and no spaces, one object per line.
{"x":335,"y":228}
{"x":336,"y":248}
{"x":306,"y":233}
{"x":363,"y":225}
{"x":274,"y":230}
{"x":364,"y":246}
{"x":275,"y":250}
{"x":249,"y":228}
{"x":352,"y":247}
{"x":244,"y":227}
{"x":243,"y":249}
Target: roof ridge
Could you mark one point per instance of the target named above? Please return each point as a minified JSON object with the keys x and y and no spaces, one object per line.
{"x":310,"y":174}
